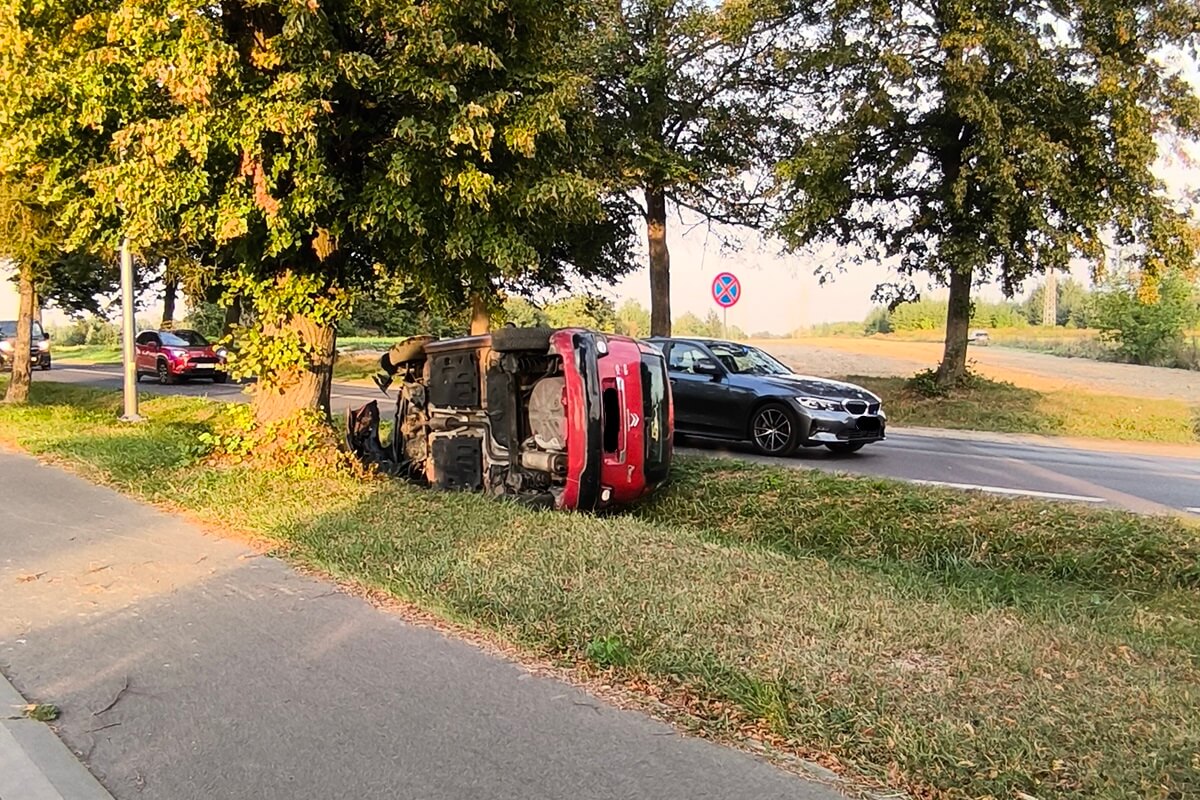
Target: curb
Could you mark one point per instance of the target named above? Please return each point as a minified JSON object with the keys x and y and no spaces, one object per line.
{"x":1061,"y":442}
{"x":34,"y":762}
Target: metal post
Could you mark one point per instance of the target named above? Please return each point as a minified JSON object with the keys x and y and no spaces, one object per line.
{"x":127,"y":333}
{"x":725,"y":321}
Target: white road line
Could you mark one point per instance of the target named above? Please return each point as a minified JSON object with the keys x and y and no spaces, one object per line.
{"x":1016,"y":492}
{"x":1193,"y":510}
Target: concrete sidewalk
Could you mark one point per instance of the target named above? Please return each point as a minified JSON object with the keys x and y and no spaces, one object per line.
{"x":34,"y":764}
{"x":187,"y":666}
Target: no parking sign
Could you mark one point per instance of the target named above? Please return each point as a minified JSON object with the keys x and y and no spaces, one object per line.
{"x":726,"y":289}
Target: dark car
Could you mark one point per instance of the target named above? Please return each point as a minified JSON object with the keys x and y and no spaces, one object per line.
{"x":39,"y":354}
{"x":569,"y":419}
{"x":725,"y":390}
{"x":172,"y":356}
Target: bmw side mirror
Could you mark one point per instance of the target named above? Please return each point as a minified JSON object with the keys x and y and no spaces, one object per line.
{"x":706,"y":366}
{"x":46,"y":335}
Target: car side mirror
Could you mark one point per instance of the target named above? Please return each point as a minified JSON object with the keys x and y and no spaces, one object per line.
{"x":46,"y":335}
{"x":706,"y":366}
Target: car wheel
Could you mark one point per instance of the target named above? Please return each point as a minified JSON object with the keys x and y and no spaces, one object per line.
{"x":846,"y":448}
{"x":516,"y":340}
{"x":220,"y":377}
{"x":164,"y":374}
{"x":774,"y":431}
{"x":44,"y":366}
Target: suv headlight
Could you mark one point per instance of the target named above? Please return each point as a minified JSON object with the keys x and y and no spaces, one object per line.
{"x":221,"y":352}
{"x":818,"y":404}
{"x":5,"y":346}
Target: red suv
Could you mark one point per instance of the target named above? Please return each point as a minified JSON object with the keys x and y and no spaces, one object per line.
{"x":568,"y":418}
{"x":178,"y":355}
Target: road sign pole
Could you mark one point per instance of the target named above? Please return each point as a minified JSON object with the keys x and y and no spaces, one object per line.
{"x":127,"y":333}
{"x":725,"y":322}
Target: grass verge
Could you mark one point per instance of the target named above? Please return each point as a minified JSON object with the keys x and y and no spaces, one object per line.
{"x":87,"y":353}
{"x":956,"y":645}
{"x":987,"y":405}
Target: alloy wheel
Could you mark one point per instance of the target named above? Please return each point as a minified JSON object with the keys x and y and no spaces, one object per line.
{"x":164,"y":374}
{"x":772,"y":430}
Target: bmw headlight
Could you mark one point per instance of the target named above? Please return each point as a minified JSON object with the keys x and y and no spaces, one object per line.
{"x":817,"y":404}
{"x":222,"y":352}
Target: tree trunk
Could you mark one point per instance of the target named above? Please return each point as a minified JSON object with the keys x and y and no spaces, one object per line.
{"x":285,"y":394}
{"x":37,"y":307}
{"x":170,"y":290}
{"x":22,"y":370}
{"x":481,"y":318}
{"x":660,"y":262}
{"x":958,"y":323}
{"x":233,"y":316}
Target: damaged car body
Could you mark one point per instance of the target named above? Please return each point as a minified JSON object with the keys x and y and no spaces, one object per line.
{"x":569,"y":419}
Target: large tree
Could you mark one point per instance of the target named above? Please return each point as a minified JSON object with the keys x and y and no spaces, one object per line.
{"x":44,"y":271}
{"x":991,"y":139}
{"x":690,"y":97}
{"x":308,"y":147}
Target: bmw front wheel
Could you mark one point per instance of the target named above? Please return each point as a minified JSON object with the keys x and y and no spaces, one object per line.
{"x":774,"y":431}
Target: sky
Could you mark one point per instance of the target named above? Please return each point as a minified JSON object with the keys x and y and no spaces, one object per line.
{"x":780,"y":293}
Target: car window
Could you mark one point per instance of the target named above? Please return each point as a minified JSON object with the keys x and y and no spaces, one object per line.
{"x":743,"y":360}
{"x":146,"y":337}
{"x":684,"y":358}
{"x":8,"y":328}
{"x":193,"y":338}
{"x":38,"y":333}
{"x":171,"y":340}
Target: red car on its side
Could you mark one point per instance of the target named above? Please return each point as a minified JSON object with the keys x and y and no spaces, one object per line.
{"x":569,"y":418}
{"x":173,"y":356}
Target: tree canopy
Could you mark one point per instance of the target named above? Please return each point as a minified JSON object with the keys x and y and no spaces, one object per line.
{"x":692,"y":105}
{"x":306,"y":148}
{"x":998,"y":139}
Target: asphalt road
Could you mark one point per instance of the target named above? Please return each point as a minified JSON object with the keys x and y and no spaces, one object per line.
{"x":1101,"y":476}
{"x":188,"y":667}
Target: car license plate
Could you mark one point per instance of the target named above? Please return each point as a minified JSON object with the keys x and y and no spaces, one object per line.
{"x":206,"y":366}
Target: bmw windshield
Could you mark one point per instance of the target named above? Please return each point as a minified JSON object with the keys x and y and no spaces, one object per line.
{"x":744,"y":360}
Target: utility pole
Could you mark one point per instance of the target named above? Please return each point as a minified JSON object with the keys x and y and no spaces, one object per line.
{"x":128,"y":356}
{"x":1050,"y":300}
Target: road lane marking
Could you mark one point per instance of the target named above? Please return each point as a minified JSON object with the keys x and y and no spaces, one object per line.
{"x":1195,"y":510}
{"x":973,"y":487}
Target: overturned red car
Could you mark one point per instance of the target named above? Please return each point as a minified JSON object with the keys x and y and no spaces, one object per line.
{"x":569,"y":418}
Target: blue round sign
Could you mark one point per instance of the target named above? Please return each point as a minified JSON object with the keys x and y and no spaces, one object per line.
{"x":726,"y":289}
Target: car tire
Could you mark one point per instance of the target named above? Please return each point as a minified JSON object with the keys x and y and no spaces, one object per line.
{"x":165,"y":378}
{"x":221,"y":377}
{"x":845,"y":448}
{"x":44,"y":365}
{"x":518,"y":340}
{"x":409,"y":351}
{"x":774,"y":430}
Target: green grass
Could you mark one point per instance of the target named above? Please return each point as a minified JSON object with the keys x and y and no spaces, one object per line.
{"x":87,"y":353}
{"x":1004,"y":408}
{"x":958,"y":645}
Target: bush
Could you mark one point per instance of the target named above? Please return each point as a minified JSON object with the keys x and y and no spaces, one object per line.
{"x":878,"y":321}
{"x":1147,"y":330}
{"x":922,"y":315}
{"x":89,"y":330}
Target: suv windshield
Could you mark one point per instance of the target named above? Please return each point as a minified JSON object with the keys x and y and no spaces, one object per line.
{"x":744,"y":360}
{"x":656,"y":410}
{"x":8,"y":329}
{"x":171,"y":340}
{"x":192,"y":338}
